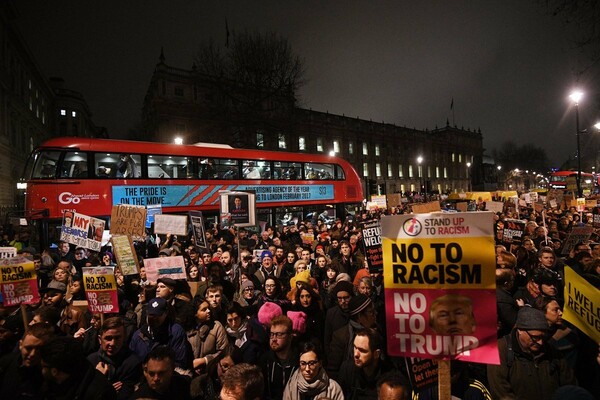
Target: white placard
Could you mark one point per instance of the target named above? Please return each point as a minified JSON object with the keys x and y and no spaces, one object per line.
{"x":173,"y":224}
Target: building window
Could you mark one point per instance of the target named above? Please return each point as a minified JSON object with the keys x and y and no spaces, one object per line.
{"x":428,"y":171}
{"x":43,"y":118}
{"x":377,"y":151}
{"x":365,"y":169}
{"x":445,"y":173}
{"x":29,"y":84}
{"x":281,"y":140}
{"x":453,"y":157}
{"x":460,"y":158}
{"x":260,"y":140}
{"x":336,"y":146}
{"x":410,"y":171}
{"x":63,"y":112}
{"x":74,"y":114}
{"x":378,"y":170}
{"x":301,"y":143}
{"x":350,"y":148}
{"x":178,"y":91}
{"x":365,"y":149}
{"x":400,"y":172}
{"x":37,"y":111}
{"x":390,"y":171}
{"x":437,"y":172}
{"x":420,"y":171}
{"x":30,"y":104}
{"x":319,"y":144}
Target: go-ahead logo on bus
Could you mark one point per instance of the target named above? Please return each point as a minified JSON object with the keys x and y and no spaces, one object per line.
{"x":412,"y":227}
{"x":70,"y":198}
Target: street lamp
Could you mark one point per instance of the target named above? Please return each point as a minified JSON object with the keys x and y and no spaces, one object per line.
{"x":419,"y":161}
{"x":576,"y":96}
{"x":499,"y":168}
{"x":468,"y":176}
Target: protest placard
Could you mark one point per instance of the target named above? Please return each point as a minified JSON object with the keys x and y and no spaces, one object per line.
{"x":582,"y":304}
{"x":82,"y":230}
{"x":435,"y":264}
{"x":125,"y":253}
{"x":495,"y":206}
{"x":101,"y":289}
{"x":422,"y":372}
{"x":18,"y":281}
{"x":538,"y":207}
{"x":380,"y":200}
{"x":151,"y":211}
{"x":197,"y":222}
{"x":239,"y":207}
{"x":580,"y":204}
{"x":129,"y":220}
{"x":513,"y":232}
{"x":591,"y":203}
{"x":307,"y":238}
{"x":394,"y":199}
{"x":165,"y":267}
{"x":423,"y":208}
{"x":596,"y":217}
{"x":371,"y":233}
{"x":577,"y":234}
{"x":462,"y":206}
{"x":170,"y":224}
{"x":8,"y":252}
{"x":553,"y":203}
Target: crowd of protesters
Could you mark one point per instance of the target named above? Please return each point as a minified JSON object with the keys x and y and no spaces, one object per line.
{"x":292,"y":312}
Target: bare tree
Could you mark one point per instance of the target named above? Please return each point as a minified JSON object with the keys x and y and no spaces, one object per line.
{"x":252,"y":82}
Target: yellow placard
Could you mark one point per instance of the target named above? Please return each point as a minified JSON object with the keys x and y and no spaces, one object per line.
{"x":582,"y":304}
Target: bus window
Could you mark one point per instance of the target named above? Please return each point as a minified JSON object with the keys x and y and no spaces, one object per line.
{"x":318,"y":171}
{"x":253,"y":169}
{"x":339,"y":172}
{"x":206,"y":168}
{"x":174,"y":167}
{"x":287,"y":170}
{"x":74,"y":165}
{"x":128,"y":166}
{"x":106,"y":164}
{"x":227,"y":169}
{"x":45,"y":164}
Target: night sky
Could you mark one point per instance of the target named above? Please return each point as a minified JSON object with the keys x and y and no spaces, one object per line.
{"x":507,"y":65}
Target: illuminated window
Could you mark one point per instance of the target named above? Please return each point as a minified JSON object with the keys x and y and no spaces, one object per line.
{"x":437,"y":172}
{"x":319,"y":144}
{"x":336,"y":146}
{"x":445,"y":172}
{"x":260,"y":139}
{"x":428,"y":171}
{"x":365,"y":149}
{"x":63,"y":112}
{"x":377,"y":151}
{"x":400,"y":172}
{"x":301,"y":143}
{"x":350,"y":148}
{"x":390,"y":171}
{"x":281,"y":141}
{"x":73,"y":114}
{"x":460,"y":158}
{"x":365,"y":169}
{"x":378,"y":170}
{"x":453,"y":157}
{"x":410,"y":171}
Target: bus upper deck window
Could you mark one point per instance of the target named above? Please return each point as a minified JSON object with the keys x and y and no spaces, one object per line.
{"x":45,"y":164}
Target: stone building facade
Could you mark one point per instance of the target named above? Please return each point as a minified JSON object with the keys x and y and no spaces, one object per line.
{"x":178,"y":104}
{"x":33,"y":108}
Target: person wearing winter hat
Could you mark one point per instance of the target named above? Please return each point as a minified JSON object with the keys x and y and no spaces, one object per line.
{"x":362,"y":315}
{"x":267,"y":312}
{"x":525,"y":357}
{"x":337,"y":316}
{"x":267,"y":269}
{"x":308,"y":301}
{"x":298,"y":322}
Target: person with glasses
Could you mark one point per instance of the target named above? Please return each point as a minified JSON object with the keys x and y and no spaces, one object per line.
{"x":310,"y":381}
{"x":281,"y":361}
{"x":529,"y":368}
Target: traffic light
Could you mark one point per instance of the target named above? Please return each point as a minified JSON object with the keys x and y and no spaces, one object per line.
{"x":373,"y":189}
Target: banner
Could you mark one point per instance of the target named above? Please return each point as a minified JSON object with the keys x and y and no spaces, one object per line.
{"x":582,"y":304}
{"x":165,"y":267}
{"x":371,"y":233}
{"x":126,"y":255}
{"x":82,"y":230}
{"x":173,"y":224}
{"x":197,"y":222}
{"x":101,"y":289}
{"x":440,"y":286}
{"x":128,"y":220}
{"x":18,"y":281}
{"x":8,"y":252}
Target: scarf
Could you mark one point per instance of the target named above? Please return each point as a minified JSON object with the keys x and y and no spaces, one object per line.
{"x":318,"y":386}
{"x":239,"y":335}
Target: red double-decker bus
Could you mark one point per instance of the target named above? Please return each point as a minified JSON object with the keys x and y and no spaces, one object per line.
{"x":89,"y":176}
{"x":567,"y":180}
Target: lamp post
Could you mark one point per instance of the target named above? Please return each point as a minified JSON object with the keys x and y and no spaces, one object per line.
{"x":420,"y":171}
{"x":576,"y":97}
{"x":468,"y":176}
{"x":499,"y":167}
